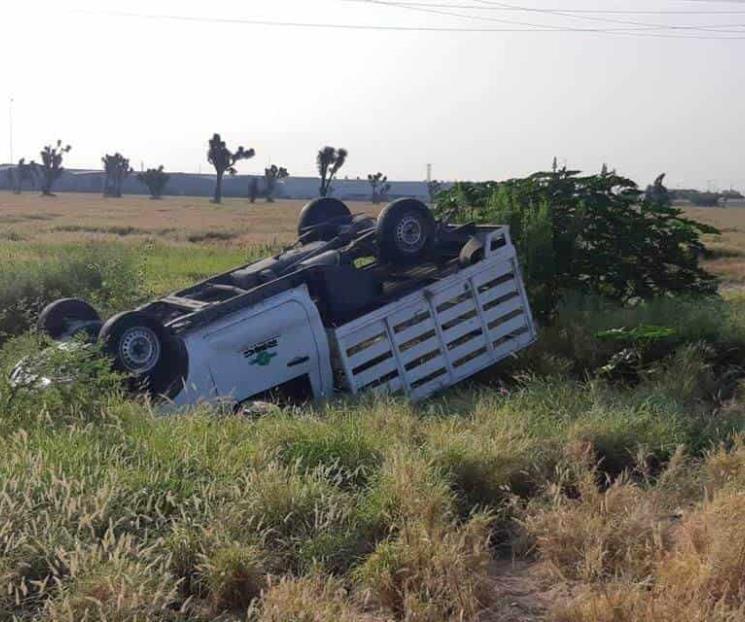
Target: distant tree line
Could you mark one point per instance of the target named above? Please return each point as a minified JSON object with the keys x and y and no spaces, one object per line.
{"x":116,"y":167}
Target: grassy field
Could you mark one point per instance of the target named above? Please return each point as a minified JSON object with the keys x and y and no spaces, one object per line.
{"x":564,"y":485}
{"x":71,"y":217}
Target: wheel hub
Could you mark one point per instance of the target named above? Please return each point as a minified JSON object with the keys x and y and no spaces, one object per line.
{"x":409,"y":234}
{"x":139,"y":349}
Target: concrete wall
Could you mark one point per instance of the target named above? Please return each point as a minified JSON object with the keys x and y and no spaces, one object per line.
{"x":187,"y":184}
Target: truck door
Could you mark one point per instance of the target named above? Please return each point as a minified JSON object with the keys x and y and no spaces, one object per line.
{"x":275,"y":342}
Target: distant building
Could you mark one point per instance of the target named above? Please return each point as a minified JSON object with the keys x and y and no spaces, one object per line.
{"x":192,"y":184}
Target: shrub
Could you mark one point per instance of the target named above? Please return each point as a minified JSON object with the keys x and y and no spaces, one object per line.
{"x":71,"y":384}
{"x":155,"y":179}
{"x":591,"y":234}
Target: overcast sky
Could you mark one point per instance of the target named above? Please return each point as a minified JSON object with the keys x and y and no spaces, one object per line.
{"x":477,"y":105}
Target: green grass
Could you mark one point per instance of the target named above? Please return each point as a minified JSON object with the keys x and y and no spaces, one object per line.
{"x":113,"y":276}
{"x":366,"y":509}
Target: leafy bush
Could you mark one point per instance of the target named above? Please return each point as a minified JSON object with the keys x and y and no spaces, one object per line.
{"x":596,"y":233}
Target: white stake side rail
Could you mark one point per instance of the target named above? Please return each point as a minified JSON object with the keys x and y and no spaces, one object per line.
{"x":444,"y":333}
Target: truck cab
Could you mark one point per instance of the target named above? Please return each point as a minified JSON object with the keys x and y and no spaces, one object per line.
{"x":270,"y":345}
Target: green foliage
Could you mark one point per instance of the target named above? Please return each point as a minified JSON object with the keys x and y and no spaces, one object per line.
{"x":594,"y":234}
{"x":155,"y":179}
{"x":359,"y":509}
{"x":638,"y":333}
{"x":434,"y":188}
{"x":117,"y":169}
{"x":106,"y":275}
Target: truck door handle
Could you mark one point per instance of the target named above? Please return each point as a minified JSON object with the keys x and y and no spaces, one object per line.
{"x":298,"y":360}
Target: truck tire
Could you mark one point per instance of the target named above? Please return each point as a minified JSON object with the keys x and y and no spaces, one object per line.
{"x":320,"y":218}
{"x":405,"y":231}
{"x":141,"y":347}
{"x":64,"y":318}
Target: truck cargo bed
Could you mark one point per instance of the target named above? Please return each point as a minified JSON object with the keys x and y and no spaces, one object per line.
{"x":442,"y":333}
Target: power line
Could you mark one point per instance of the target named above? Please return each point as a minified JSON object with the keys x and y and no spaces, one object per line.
{"x":537,"y":28}
{"x":637,"y":26}
{"x":515,"y":7}
{"x":410,"y":7}
{"x":446,"y":5}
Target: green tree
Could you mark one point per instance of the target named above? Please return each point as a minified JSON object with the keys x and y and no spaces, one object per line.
{"x":50,"y":169}
{"x":224,"y":161}
{"x":117,"y":169}
{"x":271,"y":175}
{"x":155,"y":179}
{"x":596,"y":233}
{"x":328,"y":161}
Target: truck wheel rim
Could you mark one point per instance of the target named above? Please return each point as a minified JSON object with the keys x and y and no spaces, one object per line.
{"x":139,"y":349}
{"x":410,"y":234}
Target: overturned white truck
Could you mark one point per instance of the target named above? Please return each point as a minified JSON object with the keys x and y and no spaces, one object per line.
{"x":401,"y":303}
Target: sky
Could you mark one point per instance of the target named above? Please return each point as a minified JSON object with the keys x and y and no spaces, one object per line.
{"x":154,"y":79}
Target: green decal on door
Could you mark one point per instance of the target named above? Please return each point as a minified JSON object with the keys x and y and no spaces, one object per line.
{"x":259,"y":353}
{"x":262,"y":359}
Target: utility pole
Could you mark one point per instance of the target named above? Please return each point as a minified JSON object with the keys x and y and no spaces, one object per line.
{"x":10,"y":128}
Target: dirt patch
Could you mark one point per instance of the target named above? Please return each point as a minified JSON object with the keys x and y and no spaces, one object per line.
{"x":212,"y":236}
{"x":523,"y":592}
